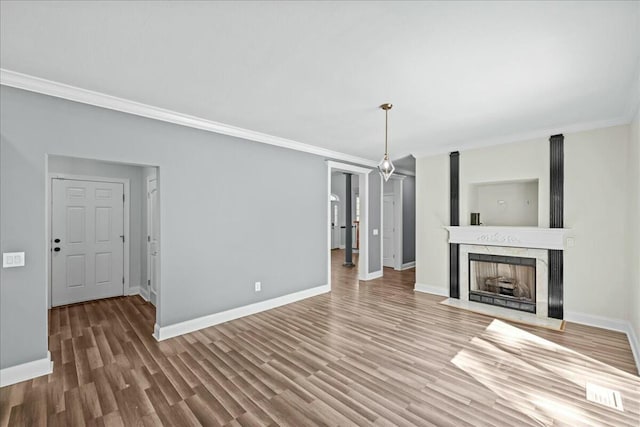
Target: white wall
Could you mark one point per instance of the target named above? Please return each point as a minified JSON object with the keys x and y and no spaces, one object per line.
{"x":506,"y":204}
{"x":595,"y":208}
{"x":596,"y":272}
{"x":634,"y":228}
{"x":432,"y":214}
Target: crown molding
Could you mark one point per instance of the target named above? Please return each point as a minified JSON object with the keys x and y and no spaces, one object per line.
{"x":84,"y":96}
{"x":526,"y":136}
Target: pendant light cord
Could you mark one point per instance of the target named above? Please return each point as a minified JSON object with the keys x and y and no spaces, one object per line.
{"x":386,"y":129}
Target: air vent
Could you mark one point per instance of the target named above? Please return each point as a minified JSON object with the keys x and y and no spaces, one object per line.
{"x":604,"y":396}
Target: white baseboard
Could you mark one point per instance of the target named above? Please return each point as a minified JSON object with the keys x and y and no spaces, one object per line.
{"x":374,"y":275}
{"x":144,"y":293}
{"x":635,"y":345}
{"x":139,"y":290}
{"x":431,"y":289}
{"x":618,"y":325}
{"x":408,"y":265}
{"x":26,"y":371}
{"x":165,"y":332}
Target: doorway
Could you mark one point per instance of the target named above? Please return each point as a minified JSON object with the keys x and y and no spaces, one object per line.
{"x":360,"y":233}
{"x":388,"y":231}
{"x":88,"y":229}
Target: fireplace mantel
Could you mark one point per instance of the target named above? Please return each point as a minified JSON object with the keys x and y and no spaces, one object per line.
{"x":517,"y":237}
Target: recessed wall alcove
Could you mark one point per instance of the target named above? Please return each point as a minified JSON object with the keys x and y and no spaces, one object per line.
{"x":505,"y":203}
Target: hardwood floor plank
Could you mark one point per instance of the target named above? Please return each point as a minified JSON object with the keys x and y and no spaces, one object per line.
{"x":368,"y":353}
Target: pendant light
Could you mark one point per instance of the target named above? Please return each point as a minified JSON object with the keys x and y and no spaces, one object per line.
{"x":386,"y":167}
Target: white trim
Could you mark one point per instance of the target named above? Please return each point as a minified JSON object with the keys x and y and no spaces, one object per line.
{"x":515,"y":237}
{"x":408,"y":265}
{"x":431,"y":289}
{"x":373,"y":275}
{"x":635,"y":345}
{"x":347,"y":167}
{"x":126,"y":218}
{"x":26,"y":371}
{"x":611,"y":324}
{"x":76,"y":94}
{"x":144,"y":293}
{"x":134,"y":290}
{"x":165,"y":332}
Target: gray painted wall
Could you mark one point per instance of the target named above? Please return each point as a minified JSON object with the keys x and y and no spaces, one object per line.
{"x":137,"y":205}
{"x":223,"y":227}
{"x":375,"y":221}
{"x":408,"y":219}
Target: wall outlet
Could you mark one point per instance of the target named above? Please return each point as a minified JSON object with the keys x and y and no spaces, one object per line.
{"x":571,"y":242}
{"x":375,"y":231}
{"x":258,"y":286}
{"x":12,"y":259}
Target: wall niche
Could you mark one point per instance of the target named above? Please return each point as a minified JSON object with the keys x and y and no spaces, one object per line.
{"x":506,"y":203}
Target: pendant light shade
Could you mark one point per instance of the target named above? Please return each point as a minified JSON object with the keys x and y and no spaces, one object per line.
{"x":386,"y":166}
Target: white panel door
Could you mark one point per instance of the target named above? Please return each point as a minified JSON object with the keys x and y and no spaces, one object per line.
{"x":153,"y":240}
{"x":87,"y":241}
{"x":388,"y":231}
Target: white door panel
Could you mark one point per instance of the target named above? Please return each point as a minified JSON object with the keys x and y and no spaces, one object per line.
{"x":153,"y":238}
{"x":388,"y":216}
{"x":87,"y":229}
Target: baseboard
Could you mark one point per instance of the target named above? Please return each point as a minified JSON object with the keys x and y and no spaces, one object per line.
{"x":635,"y":346}
{"x":408,"y":265}
{"x":144,"y":293}
{"x":618,"y":325}
{"x":375,"y":275}
{"x":165,"y":332}
{"x":133,"y":290}
{"x":26,"y":371}
{"x":431,"y":289}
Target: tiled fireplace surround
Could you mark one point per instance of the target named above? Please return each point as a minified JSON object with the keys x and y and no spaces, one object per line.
{"x":526,"y":242}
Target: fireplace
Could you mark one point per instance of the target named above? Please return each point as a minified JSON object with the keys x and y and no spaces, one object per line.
{"x":505,"y":281}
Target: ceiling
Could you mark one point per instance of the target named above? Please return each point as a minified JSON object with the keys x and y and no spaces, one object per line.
{"x":459,"y":73}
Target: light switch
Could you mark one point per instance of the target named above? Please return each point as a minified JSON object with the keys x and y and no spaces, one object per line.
{"x":12,"y":259}
{"x":375,"y":231}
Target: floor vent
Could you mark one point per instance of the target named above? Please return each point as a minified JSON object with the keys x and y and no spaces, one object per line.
{"x":604,"y":396}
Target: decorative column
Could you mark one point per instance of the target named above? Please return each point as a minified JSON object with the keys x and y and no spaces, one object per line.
{"x":454,"y":219}
{"x":556,"y":220}
{"x":348,"y":221}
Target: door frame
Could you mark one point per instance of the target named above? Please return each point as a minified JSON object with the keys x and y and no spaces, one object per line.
{"x":147,"y":180}
{"x":363,"y":253}
{"x":126,"y":290}
{"x":397,"y":182}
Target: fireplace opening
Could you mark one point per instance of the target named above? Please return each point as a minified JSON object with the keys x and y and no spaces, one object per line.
{"x":504,"y":281}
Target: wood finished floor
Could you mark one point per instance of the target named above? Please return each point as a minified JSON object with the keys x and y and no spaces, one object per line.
{"x":369,"y":353}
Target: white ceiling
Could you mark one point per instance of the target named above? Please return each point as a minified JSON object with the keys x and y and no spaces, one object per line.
{"x":459,"y":73}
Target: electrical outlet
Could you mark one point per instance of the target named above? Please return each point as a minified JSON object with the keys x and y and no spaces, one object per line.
{"x":258,"y":286}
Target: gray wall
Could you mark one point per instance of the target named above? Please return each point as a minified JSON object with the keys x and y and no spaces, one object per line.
{"x":408,"y":219}
{"x":375,"y":217}
{"x":137,"y":205}
{"x":223,"y":227}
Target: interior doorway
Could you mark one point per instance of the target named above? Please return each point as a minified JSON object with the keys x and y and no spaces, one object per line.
{"x":97,"y":236}
{"x":347,"y":231}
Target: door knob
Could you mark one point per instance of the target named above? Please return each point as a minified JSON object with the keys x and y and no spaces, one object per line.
{"x":56,"y":249}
